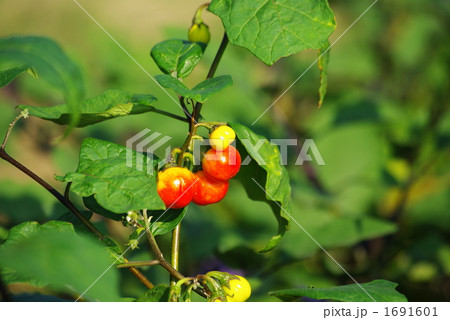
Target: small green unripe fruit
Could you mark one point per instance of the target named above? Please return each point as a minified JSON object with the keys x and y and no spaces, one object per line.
{"x":199,"y":33}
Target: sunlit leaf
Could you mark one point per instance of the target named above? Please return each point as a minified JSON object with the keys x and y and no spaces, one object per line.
{"x":264,"y":178}
{"x":109,"y":105}
{"x":177,"y":57}
{"x":119,"y":178}
{"x":274,"y":29}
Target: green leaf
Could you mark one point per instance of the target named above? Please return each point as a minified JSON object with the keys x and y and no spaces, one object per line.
{"x":53,"y":254}
{"x":200,"y":92}
{"x":31,"y":228}
{"x":164,"y":221}
{"x":159,"y":293}
{"x":116,"y":176}
{"x":49,"y":62}
{"x":329,"y":234}
{"x":380,"y":290}
{"x":8,"y":75}
{"x":274,"y":29}
{"x":23,"y":231}
{"x":324,"y":58}
{"x":109,"y":105}
{"x":177,"y":57}
{"x":264,"y":171}
{"x":346,"y":141}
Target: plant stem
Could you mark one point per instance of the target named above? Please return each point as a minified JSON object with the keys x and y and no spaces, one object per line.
{"x":198,"y":14}
{"x":132,"y":264}
{"x":155,"y":248}
{"x":193,"y":125}
{"x":194,"y":118}
{"x":175,"y":250}
{"x":171,"y":115}
{"x":143,"y":279}
{"x":211,"y":72}
{"x":159,"y":256}
{"x":218,"y":57}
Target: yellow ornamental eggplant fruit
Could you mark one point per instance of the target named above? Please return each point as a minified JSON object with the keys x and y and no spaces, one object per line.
{"x":199,"y":33}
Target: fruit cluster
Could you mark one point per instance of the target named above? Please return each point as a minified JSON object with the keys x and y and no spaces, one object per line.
{"x":178,"y":186}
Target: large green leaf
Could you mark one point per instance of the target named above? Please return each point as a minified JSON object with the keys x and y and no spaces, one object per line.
{"x":23,"y":231}
{"x":264,"y":178}
{"x":200,"y":92}
{"x":349,"y":164}
{"x":8,"y":75}
{"x":120,"y":179}
{"x":379,"y":290}
{"x":177,"y":57}
{"x":31,"y":228}
{"x":109,"y":105}
{"x":271,"y":29}
{"x":53,"y":254}
{"x":49,"y":62}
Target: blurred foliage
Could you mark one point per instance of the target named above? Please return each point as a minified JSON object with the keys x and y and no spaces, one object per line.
{"x":380,"y":204}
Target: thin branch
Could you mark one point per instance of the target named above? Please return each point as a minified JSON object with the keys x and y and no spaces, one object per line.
{"x":171,"y":115}
{"x":211,"y":72}
{"x":132,"y":264}
{"x":140,"y":276}
{"x":175,"y":249}
{"x":159,"y":256}
{"x":218,"y":57}
{"x":157,"y":251}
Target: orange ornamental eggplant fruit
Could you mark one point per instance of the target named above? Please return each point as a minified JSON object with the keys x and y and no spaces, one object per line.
{"x":176,"y":187}
{"x":221,"y":164}
{"x":208,"y":191}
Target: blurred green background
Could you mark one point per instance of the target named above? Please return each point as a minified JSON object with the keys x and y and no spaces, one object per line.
{"x":381,"y":204}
